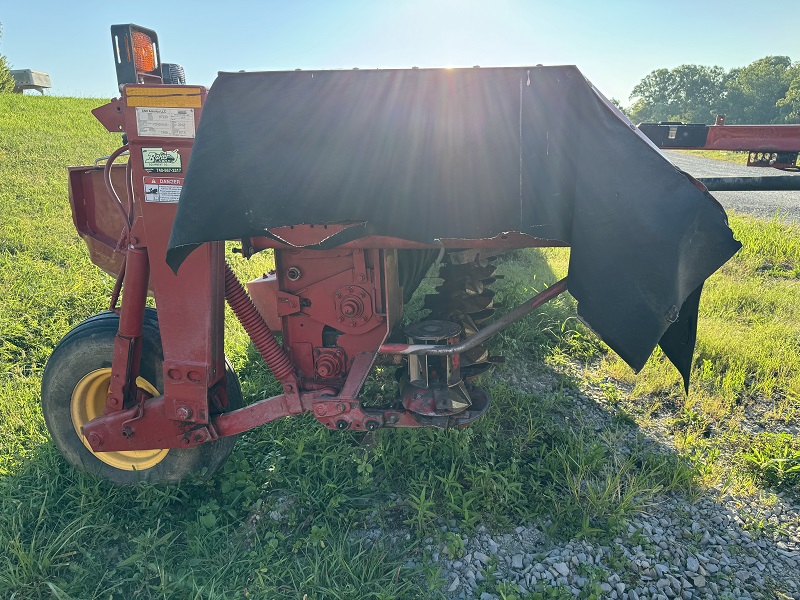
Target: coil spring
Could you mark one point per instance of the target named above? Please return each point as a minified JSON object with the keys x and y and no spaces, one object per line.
{"x":256,"y":328}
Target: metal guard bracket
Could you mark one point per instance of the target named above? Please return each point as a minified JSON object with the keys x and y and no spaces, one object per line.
{"x":143,"y":428}
{"x":111,"y":115}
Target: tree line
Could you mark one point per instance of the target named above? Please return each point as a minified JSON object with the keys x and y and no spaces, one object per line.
{"x":765,"y":91}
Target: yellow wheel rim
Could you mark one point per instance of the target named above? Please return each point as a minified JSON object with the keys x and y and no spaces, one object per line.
{"x":89,"y":400}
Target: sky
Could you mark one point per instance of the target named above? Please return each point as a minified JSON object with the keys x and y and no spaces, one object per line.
{"x":614,"y":43}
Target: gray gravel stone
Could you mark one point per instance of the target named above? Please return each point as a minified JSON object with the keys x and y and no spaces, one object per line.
{"x":692,"y":564}
{"x":742,"y":575}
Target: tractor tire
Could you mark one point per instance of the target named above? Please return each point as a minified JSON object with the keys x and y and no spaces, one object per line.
{"x":74,"y":389}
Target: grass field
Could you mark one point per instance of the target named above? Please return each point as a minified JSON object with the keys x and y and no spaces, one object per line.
{"x":288,"y":516}
{"x":740,"y":158}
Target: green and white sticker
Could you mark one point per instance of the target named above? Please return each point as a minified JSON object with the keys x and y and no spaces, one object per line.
{"x":158,"y":160}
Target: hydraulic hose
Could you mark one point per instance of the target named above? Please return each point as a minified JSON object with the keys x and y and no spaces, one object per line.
{"x":126,"y":216}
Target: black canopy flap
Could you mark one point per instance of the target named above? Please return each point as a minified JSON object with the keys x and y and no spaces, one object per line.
{"x":426,"y":154}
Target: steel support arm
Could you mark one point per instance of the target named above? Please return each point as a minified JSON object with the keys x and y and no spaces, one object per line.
{"x":484,"y":334}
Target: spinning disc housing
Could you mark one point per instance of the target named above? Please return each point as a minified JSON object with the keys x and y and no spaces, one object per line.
{"x":434,"y":385}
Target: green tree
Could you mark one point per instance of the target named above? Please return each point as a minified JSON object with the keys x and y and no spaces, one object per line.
{"x":755,"y":90}
{"x":652,"y":98}
{"x":790,"y":103}
{"x":6,"y":80}
{"x":621,"y":108}
{"x":689,"y":93}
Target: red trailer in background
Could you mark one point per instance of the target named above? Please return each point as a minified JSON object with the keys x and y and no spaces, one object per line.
{"x":774,"y":146}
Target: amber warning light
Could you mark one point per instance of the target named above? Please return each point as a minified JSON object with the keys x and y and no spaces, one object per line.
{"x":136,"y":54}
{"x":144,"y":52}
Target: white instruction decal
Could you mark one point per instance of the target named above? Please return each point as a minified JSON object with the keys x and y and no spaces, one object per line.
{"x":165,"y":122}
{"x":162,"y":189}
{"x":158,"y":160}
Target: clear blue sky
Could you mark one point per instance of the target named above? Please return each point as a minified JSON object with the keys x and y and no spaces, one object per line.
{"x":614,"y":43}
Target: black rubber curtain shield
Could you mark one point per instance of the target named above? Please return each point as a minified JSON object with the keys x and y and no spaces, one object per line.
{"x":426,"y":154}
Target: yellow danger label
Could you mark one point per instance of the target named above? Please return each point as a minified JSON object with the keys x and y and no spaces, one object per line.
{"x":185,"y":97}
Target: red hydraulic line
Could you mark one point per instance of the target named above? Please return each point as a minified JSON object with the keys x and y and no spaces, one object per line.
{"x":112,"y":305}
{"x":256,"y":328}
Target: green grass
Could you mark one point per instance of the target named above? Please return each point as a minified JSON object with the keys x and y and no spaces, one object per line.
{"x":740,"y":158}
{"x":289,"y":514}
{"x":747,"y":360}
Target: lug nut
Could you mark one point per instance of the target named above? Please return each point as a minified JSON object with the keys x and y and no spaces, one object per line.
{"x":341,"y":424}
{"x":372,"y":425}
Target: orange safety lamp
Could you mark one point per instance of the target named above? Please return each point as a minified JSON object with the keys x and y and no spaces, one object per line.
{"x":136,"y":54}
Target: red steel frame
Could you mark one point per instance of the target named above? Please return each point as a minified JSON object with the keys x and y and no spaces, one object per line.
{"x":335,"y":308}
{"x":754,"y":138}
{"x":774,"y":146}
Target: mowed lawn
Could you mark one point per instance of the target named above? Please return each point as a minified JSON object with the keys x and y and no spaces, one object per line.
{"x":287,"y":516}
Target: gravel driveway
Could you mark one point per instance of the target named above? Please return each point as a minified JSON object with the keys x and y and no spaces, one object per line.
{"x":761,"y":204}
{"x":717,"y":546}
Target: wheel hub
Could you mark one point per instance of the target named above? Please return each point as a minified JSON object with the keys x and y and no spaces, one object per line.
{"x":87,"y":403}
